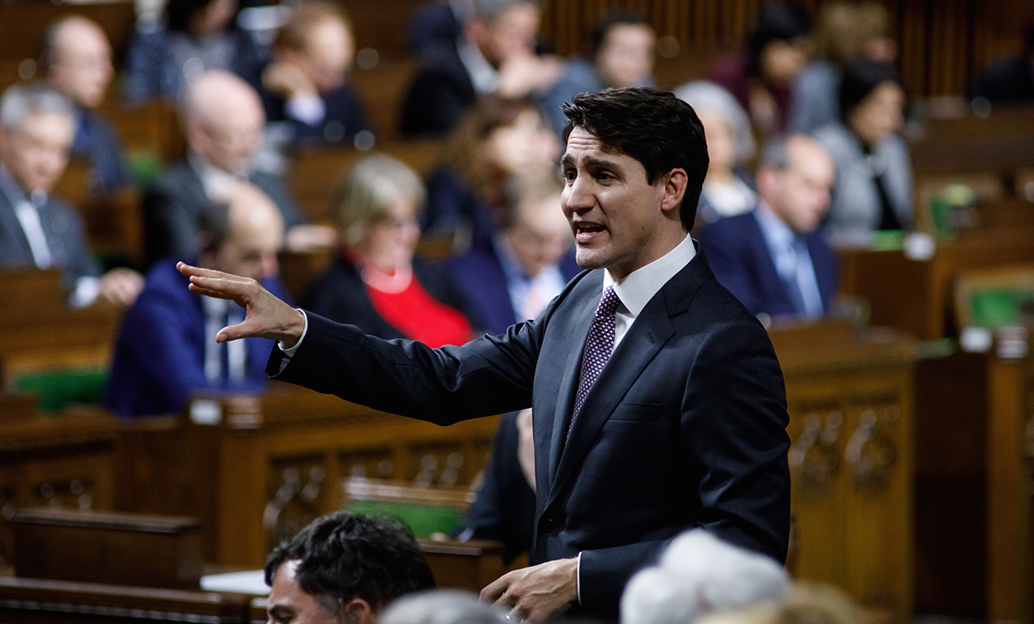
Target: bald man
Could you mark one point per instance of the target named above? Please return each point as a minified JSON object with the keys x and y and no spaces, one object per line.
{"x":774,"y":258}
{"x":223,"y":120}
{"x":166,"y":348}
{"x":77,"y":58}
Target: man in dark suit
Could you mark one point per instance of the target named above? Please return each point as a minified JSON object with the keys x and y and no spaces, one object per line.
{"x":36,"y":129}
{"x":774,"y":258}
{"x":658,"y":402}
{"x":166,"y":348}
{"x":77,"y":57}
{"x":223,"y":122}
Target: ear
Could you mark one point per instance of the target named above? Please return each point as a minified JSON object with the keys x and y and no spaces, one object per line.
{"x":358,"y":611}
{"x":675,"y":183}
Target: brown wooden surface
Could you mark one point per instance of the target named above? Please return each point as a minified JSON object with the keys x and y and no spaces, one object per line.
{"x":468,"y":565}
{"x":24,"y":23}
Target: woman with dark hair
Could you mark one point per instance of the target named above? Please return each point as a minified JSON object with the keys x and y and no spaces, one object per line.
{"x":195,"y":36}
{"x":497,"y":142}
{"x":873,"y":189}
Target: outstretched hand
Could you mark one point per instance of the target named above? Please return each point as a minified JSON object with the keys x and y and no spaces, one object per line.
{"x":265,"y":315}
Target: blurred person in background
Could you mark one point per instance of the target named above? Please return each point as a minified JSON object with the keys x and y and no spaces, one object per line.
{"x":761,"y":79}
{"x":437,"y":21}
{"x":376,"y":282}
{"x":195,"y":36}
{"x":498,"y":142}
{"x":166,"y":349}
{"x":306,"y":85}
{"x":76,"y":56}
{"x":806,"y":603}
{"x":443,"y":607}
{"x":848,"y":31}
{"x":729,"y":187}
{"x":37,"y":126}
{"x":494,"y":56}
{"x":223,"y":120}
{"x":1008,"y":80}
{"x":528,"y":262}
{"x":774,"y":259}
{"x":873,"y":189}
{"x":623,"y":52}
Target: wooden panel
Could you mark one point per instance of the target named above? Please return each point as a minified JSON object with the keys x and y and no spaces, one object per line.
{"x":25,"y":23}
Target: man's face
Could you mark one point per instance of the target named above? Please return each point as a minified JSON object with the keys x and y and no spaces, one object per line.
{"x":540,"y":236}
{"x":81,"y":64}
{"x":614,"y":213}
{"x":251,"y":248}
{"x":626,"y":57}
{"x":511,"y":34}
{"x":289,"y":604}
{"x":228,"y":137}
{"x":328,"y":54}
{"x":799,"y":194}
{"x":36,"y":153}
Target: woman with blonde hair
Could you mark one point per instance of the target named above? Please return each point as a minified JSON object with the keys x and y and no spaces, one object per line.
{"x":376,"y":282}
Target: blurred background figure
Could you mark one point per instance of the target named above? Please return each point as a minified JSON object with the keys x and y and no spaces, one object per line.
{"x":494,"y":55}
{"x":525,"y":265}
{"x":699,"y":574}
{"x":873,"y":188}
{"x":37,"y":125}
{"x":728,"y":188}
{"x":498,"y":142}
{"x":622,"y":54}
{"x":437,"y":21}
{"x":223,"y":120}
{"x":443,"y":607}
{"x":376,"y":282}
{"x":306,"y":85}
{"x":761,"y":79}
{"x":1009,"y":80}
{"x":194,"y":37}
{"x":76,"y":56}
{"x":166,"y":348}
{"x":847,"y":31}
{"x":774,"y":259}
{"x":807,"y":603}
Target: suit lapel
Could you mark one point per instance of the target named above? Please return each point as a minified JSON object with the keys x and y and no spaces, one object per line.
{"x":768,"y":276}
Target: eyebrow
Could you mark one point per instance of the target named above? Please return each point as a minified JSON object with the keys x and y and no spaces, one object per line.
{"x":591,"y":161}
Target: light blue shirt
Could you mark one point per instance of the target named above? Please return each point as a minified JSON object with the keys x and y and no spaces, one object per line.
{"x":792,"y":259}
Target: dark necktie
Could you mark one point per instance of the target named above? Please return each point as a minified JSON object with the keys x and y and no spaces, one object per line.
{"x":598,"y":347}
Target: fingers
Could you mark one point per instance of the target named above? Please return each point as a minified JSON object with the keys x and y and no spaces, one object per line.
{"x":495,"y":590}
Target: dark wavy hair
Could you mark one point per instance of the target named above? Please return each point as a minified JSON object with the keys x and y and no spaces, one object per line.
{"x":656,"y":128}
{"x":344,"y":556}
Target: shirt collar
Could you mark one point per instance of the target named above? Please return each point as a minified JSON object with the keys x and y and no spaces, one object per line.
{"x":215,"y":181}
{"x":776,"y":231}
{"x":639,"y":286}
{"x":482,"y":75}
{"x":14,"y":191}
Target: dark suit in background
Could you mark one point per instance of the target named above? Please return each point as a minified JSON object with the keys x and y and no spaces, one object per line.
{"x":96,"y":141}
{"x":172,"y":208}
{"x":440,"y":93}
{"x":684,"y":427}
{"x":344,"y":116}
{"x":160,"y":353}
{"x":743,"y":263}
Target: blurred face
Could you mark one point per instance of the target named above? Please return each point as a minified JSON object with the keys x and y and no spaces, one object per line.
{"x":251,"y":249}
{"x":81,"y":63}
{"x":721,"y":141}
{"x":781,"y":61}
{"x":510,"y":35}
{"x":329,"y":54}
{"x":880,"y":114}
{"x":390,"y":243}
{"x":626,"y":57}
{"x":524,"y":147}
{"x":213,"y":18}
{"x":540,"y":236}
{"x":36,"y":153}
{"x":228,"y":136}
{"x":799,"y":194}
{"x":288,"y":604}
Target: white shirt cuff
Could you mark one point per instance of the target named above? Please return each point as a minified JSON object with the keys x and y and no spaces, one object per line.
{"x":86,"y":291}
{"x":290,"y":351}
{"x":578,"y":578}
{"x":308,"y":109}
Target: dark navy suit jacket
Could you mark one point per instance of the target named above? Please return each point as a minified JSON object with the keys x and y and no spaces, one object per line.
{"x":741,"y":261}
{"x":684,"y":427}
{"x":440,"y":93}
{"x":344,"y":116}
{"x":160,"y":353}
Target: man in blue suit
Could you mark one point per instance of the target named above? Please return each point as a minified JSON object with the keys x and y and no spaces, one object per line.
{"x":658,"y":403}
{"x":774,"y":258}
{"x":166,"y":348}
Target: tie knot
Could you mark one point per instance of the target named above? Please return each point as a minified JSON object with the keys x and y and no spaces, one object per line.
{"x":608,"y":303}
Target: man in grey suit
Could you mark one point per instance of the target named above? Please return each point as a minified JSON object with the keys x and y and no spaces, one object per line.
{"x":223,"y":119}
{"x":36,"y":129}
{"x":657,"y":398}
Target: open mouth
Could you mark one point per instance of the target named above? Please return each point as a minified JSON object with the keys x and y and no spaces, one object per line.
{"x":584,"y":232}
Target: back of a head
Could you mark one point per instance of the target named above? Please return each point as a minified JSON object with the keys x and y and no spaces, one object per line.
{"x":699,"y":574}
{"x":347,"y":556}
{"x":23,"y":99}
{"x":654,"y":127}
{"x":442,"y":607}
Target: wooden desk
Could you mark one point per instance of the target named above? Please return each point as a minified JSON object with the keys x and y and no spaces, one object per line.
{"x":273,"y":463}
{"x":850,"y":401}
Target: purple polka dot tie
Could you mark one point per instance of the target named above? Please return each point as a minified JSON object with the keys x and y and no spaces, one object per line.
{"x":598,"y":347}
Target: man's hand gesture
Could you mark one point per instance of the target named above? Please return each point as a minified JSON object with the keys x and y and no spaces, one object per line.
{"x":265,"y":315}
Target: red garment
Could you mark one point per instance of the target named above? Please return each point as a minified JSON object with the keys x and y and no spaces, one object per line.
{"x":420,"y":316}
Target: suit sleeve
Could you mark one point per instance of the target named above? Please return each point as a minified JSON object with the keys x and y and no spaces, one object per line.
{"x":733,"y":434}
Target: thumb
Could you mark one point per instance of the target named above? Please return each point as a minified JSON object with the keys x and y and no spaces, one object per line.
{"x":245,"y":329}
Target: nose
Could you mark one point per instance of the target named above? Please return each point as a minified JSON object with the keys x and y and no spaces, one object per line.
{"x":577,"y":195}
